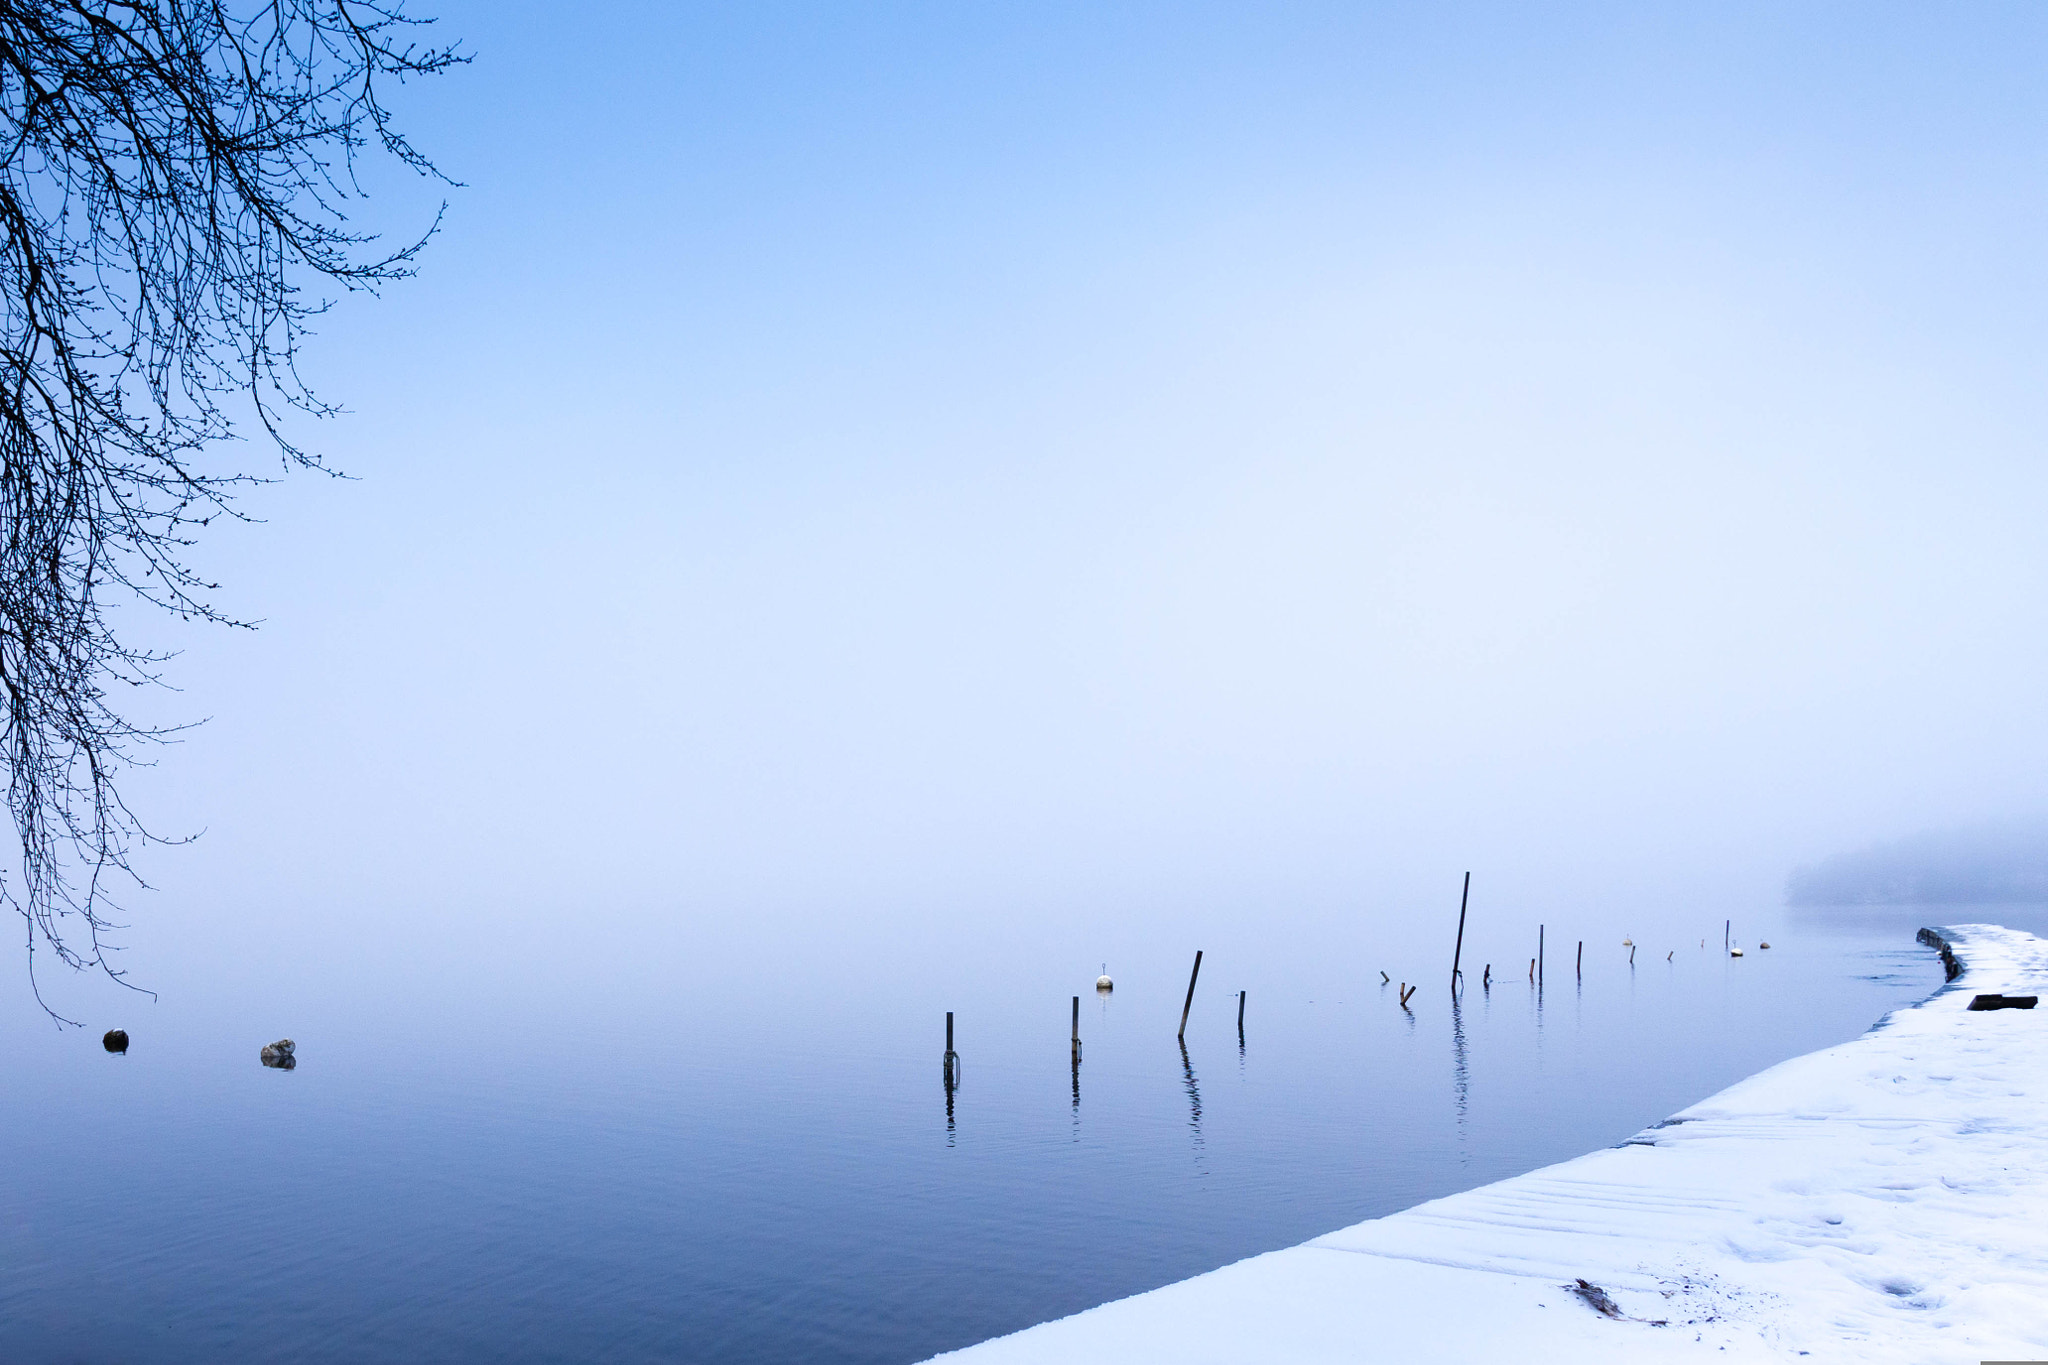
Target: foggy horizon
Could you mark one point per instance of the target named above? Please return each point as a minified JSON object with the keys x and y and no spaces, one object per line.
{"x":1091,"y":473}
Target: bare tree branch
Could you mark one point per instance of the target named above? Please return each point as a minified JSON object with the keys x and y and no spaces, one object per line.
{"x":172,"y":174}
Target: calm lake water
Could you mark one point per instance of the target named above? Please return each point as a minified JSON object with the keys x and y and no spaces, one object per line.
{"x":722,"y":1171}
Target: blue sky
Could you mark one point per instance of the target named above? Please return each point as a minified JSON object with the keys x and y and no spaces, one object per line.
{"x":1092,"y":460}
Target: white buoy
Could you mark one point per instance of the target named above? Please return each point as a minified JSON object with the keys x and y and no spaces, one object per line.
{"x":1763,"y":945}
{"x":1735,"y":952}
{"x":1103,"y":983}
{"x":1628,"y":943}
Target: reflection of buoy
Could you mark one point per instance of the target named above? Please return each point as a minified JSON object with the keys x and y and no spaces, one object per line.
{"x":1103,"y":983}
{"x":1735,"y":952}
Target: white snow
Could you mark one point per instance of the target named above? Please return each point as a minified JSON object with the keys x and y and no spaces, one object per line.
{"x":1881,"y":1201}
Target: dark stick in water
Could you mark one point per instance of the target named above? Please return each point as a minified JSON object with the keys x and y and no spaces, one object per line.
{"x":1191,"y":995}
{"x":1459,"y":951}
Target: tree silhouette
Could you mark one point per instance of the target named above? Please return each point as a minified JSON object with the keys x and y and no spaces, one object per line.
{"x":173,"y":174}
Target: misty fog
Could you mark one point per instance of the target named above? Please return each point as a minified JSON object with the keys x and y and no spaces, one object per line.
{"x":1097,"y":487}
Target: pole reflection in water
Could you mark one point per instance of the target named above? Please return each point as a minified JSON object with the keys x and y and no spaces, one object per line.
{"x":1460,"y":1076}
{"x":1187,"y":1069}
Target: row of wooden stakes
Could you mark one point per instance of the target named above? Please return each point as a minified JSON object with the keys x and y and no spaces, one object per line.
{"x":1407,"y":992}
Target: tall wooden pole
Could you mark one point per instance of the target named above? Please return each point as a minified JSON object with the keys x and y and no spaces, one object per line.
{"x":1459,"y":951}
{"x":1191,"y":995}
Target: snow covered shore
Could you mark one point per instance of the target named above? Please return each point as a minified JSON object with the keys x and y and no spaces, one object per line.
{"x":1881,"y":1201}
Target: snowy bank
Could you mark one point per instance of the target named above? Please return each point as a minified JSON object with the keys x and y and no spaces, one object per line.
{"x":1881,"y":1201}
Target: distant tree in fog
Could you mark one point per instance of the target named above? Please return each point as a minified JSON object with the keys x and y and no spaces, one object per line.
{"x":174,"y":174}
{"x":1991,"y":864}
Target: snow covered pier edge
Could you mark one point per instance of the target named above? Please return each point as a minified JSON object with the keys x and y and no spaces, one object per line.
{"x":1881,"y":1201}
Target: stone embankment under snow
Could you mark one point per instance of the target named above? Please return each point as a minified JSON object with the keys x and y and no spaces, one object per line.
{"x":1881,"y":1201}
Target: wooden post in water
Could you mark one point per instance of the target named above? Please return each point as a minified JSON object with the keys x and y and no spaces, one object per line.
{"x":1539,"y":955}
{"x":1726,"y":924}
{"x":1240,"y":1016}
{"x":1077,"y":1029}
{"x":1191,"y":995}
{"x":1486,"y":979}
{"x":1459,"y":951}
{"x":951,"y":1062}
{"x":1579,"y":963}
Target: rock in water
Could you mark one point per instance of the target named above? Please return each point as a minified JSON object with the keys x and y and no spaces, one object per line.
{"x":279,"y":1054}
{"x":116,"y":1040}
